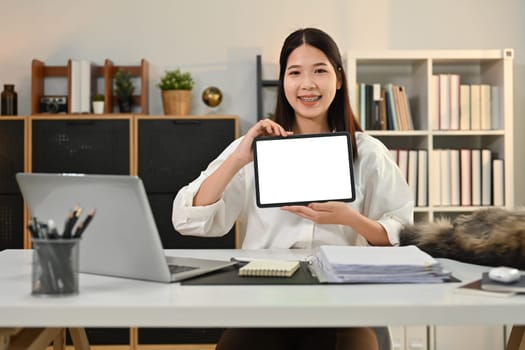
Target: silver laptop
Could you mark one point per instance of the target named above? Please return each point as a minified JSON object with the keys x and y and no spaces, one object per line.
{"x":122,"y":239}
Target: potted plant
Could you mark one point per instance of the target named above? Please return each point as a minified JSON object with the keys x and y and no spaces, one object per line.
{"x":98,"y":104}
{"x":124,"y":89}
{"x":176,"y":89}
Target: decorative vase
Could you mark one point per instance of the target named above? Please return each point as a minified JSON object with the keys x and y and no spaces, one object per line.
{"x":9,"y":100}
{"x":176,"y":102}
{"x":124,"y":104}
{"x":98,"y":107}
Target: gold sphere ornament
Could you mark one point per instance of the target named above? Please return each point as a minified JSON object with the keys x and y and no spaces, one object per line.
{"x":212,"y":96}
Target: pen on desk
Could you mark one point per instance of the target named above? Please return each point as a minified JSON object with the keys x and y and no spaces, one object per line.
{"x":82,"y":226}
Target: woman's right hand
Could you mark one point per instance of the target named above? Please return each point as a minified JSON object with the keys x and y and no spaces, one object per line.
{"x":265,"y":127}
{"x":213,"y":187}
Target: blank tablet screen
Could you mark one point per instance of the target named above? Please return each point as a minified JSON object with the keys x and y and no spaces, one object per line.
{"x":300,"y":169}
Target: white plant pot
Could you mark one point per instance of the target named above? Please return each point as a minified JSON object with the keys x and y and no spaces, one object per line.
{"x":98,"y":107}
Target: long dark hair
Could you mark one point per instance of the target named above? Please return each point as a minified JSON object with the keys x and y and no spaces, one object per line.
{"x":340,"y":115}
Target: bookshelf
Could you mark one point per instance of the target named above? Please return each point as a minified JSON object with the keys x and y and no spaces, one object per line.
{"x":40,"y":72}
{"x":415,"y":69}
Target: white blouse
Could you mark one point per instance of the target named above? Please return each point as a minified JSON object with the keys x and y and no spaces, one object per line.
{"x":382,"y":194}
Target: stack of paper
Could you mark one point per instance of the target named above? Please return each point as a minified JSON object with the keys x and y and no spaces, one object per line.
{"x":352,"y":264}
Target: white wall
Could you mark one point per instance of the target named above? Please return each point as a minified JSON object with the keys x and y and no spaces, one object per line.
{"x":218,"y":40}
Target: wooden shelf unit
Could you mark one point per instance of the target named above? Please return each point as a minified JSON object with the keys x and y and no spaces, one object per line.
{"x":40,"y":71}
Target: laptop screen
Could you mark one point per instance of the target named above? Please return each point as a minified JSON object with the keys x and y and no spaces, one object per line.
{"x":300,"y":169}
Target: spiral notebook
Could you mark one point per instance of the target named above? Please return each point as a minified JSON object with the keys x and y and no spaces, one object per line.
{"x":269,"y":268}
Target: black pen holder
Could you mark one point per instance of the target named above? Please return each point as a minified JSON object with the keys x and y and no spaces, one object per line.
{"x":55,"y":266}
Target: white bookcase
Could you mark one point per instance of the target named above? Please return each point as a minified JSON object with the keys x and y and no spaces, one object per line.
{"x":414,"y":69}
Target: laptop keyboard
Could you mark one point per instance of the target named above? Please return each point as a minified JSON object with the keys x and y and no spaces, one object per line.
{"x":180,"y":268}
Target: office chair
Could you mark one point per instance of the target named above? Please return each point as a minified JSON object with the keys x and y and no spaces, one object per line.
{"x":383,"y":338}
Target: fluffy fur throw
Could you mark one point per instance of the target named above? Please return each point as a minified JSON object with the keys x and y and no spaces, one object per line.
{"x":492,"y":237}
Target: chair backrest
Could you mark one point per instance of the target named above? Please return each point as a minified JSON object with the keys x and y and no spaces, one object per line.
{"x":383,"y":338}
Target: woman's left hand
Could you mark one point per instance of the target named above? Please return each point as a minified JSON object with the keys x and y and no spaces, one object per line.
{"x":324,"y":213}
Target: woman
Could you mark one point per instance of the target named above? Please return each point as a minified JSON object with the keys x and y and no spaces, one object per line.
{"x":312,"y":98}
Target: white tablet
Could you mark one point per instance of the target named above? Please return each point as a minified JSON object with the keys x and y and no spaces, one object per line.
{"x":301,"y":169}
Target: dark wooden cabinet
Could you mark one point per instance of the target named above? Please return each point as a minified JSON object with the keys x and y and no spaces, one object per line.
{"x":12,"y":161}
{"x":171,"y":152}
{"x":91,"y":145}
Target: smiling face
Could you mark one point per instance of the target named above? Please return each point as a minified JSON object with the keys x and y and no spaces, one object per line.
{"x":310,"y":84}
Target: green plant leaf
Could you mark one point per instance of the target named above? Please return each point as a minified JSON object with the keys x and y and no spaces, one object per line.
{"x":176,"y":80}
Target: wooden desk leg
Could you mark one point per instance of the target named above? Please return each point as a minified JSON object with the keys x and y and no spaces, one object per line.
{"x":133,"y":338}
{"x":59,"y":343}
{"x":79,"y":338}
{"x":516,"y":339}
{"x":34,"y":338}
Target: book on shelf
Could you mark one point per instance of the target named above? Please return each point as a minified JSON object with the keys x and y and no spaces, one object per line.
{"x":382,"y":110}
{"x":445,"y":175}
{"x":269,"y":268}
{"x":466,"y":177}
{"x":497,"y":123}
{"x":444,"y":101}
{"x":455,"y":188}
{"x":434,"y":191}
{"x":376,"y":112}
{"x":391,"y":107}
{"x":405,"y":102}
{"x":434,"y":102}
{"x":454,"y":103}
{"x":402,"y":162}
{"x":476,"y":176}
{"x":397,"y":106}
{"x":370,"y":107}
{"x":74,"y":99}
{"x":486,"y":177}
{"x":82,"y":86}
{"x":475,"y":107}
{"x":389,"y":113}
{"x":485,"y":109}
{"x":464,"y":107}
{"x":498,"y":176}
{"x":412,"y":172}
{"x":422,"y":178}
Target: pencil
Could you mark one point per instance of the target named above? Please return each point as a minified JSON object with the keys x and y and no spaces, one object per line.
{"x":82,"y":226}
{"x":71,"y":221}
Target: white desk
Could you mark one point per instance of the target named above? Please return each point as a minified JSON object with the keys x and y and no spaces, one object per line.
{"x":116,"y":302}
